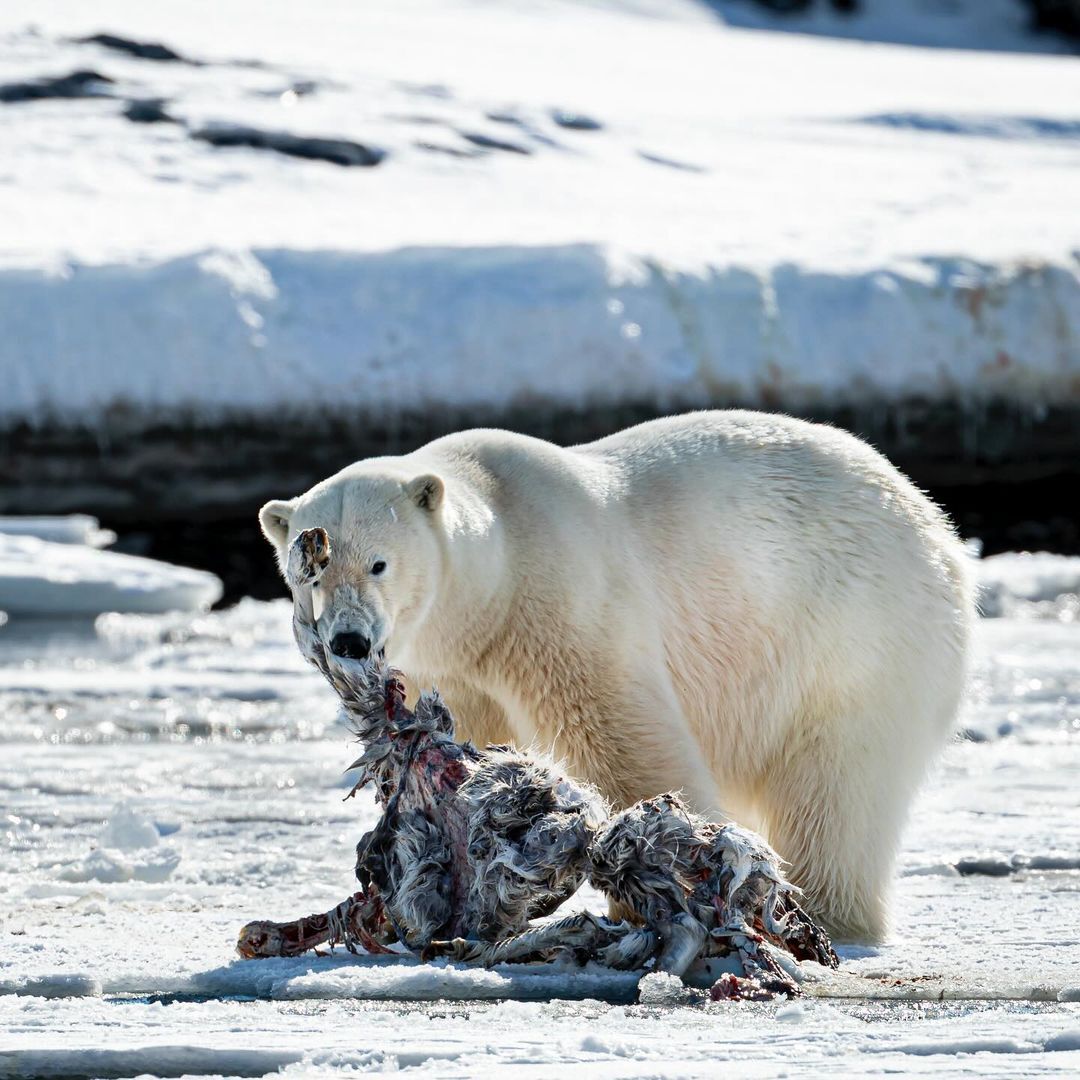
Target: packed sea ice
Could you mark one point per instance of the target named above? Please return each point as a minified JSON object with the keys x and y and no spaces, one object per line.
{"x":167,"y":778}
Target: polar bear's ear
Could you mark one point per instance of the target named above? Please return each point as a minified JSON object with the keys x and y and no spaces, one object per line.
{"x":274,"y":518}
{"x":426,"y":491}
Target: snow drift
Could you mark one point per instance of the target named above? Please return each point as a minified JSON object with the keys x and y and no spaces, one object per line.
{"x":69,"y":529}
{"x":40,"y":577}
{"x":768,"y":218}
{"x":489,"y":329}
{"x":1038,"y":584}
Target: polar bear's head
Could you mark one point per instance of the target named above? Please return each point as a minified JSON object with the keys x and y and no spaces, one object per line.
{"x":384,"y":536}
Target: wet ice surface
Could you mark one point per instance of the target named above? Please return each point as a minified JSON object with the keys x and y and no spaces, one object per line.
{"x":164,"y":779}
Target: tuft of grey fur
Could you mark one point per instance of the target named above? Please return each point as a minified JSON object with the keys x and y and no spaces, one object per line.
{"x":709,"y":889}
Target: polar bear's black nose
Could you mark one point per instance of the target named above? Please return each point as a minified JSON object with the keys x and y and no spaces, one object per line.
{"x":351,"y":646}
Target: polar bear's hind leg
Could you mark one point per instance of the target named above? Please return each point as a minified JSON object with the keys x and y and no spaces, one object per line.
{"x":836,"y":797}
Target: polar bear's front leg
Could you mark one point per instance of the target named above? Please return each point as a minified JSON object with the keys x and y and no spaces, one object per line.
{"x":643,"y":747}
{"x":479,"y":717}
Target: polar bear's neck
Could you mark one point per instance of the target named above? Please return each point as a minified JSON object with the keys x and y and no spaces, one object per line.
{"x":468,"y":603}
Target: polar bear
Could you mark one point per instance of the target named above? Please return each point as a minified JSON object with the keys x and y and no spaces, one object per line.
{"x":758,"y":611}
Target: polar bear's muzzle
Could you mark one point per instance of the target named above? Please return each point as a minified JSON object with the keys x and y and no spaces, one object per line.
{"x":349,"y":627}
{"x":351,"y":645}
{"x":358,"y":640}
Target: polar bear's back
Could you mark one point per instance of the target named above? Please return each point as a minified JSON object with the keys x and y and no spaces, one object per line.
{"x":790,"y":497}
{"x":811,"y":567}
{"x":796,"y":511}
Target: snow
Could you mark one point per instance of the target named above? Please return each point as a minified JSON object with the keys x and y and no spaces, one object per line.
{"x":1033,"y":583}
{"x":40,"y":577}
{"x":774,"y":218}
{"x":69,"y":529}
{"x":128,"y":830}
{"x":201,"y":743}
{"x":51,"y":566}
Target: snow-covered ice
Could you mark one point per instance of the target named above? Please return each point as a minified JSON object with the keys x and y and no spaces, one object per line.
{"x":66,"y":529}
{"x":167,"y":778}
{"x":47,"y":577}
{"x":1030,"y":584}
{"x":771,"y":218}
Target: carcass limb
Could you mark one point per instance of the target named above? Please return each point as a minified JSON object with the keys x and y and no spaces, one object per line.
{"x":683,"y":940}
{"x":795,"y":932}
{"x":585,"y":936}
{"x":763,"y":978}
{"x":710,"y":890}
{"x":357,"y":921}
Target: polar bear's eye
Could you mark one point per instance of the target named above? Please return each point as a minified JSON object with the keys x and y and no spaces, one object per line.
{"x":378,"y":567}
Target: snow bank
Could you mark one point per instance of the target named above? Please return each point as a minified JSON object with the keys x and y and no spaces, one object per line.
{"x":490,"y":329}
{"x":769,"y":218}
{"x":67,"y":529}
{"x":1030,"y":584}
{"x":39,"y":577}
{"x":129,"y":851}
{"x":128,"y":830}
{"x":403,"y":978}
{"x":110,"y":867}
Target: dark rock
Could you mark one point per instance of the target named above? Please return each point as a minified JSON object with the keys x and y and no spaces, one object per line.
{"x":336,"y":151}
{"x":449,"y":151}
{"x":670,"y":163}
{"x":987,"y":866}
{"x":575,"y":121}
{"x":1052,"y":862}
{"x":791,"y":7}
{"x":992,"y":866}
{"x":981,"y":126}
{"x":488,"y":143}
{"x":144,"y":50}
{"x":513,"y":120}
{"x":1060,"y":15}
{"x":148,"y":111}
{"x":430,"y":90}
{"x":79,"y":84}
{"x":505,"y":118}
{"x":545,"y":140}
{"x":299,"y":87}
{"x":786,"y":7}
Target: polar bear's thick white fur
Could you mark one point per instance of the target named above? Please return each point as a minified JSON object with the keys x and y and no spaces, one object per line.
{"x":759,"y":611}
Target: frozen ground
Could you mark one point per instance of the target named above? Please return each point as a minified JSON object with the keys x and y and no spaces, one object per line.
{"x":166,"y":778}
{"x":571,"y":203}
